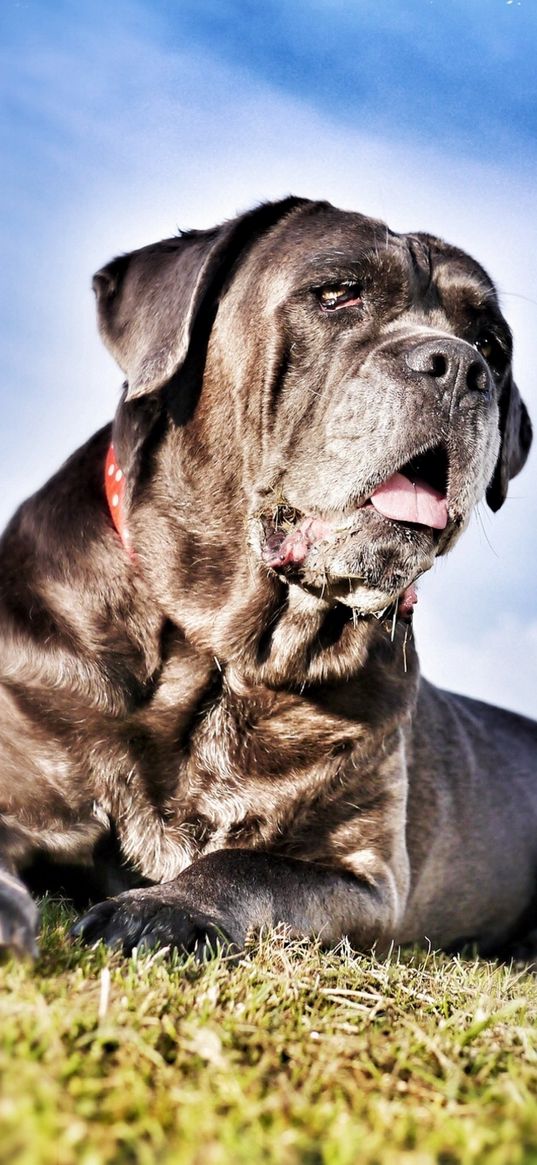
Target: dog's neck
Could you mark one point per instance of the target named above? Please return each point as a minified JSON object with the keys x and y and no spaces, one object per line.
{"x":257,"y":627}
{"x":263,"y":632}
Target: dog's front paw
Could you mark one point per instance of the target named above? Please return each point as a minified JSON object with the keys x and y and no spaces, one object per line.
{"x":147,"y":918}
{"x":18,"y":917}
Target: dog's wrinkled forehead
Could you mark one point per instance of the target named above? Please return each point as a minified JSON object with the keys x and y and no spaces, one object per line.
{"x":324,"y":243}
{"x":454,"y":277}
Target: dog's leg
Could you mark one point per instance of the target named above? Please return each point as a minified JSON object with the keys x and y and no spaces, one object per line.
{"x":230,"y":892}
{"x":18,"y":912}
{"x":18,"y":915}
{"x":22,"y":840}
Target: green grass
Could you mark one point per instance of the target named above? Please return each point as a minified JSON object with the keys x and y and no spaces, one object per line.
{"x":291,"y":1055}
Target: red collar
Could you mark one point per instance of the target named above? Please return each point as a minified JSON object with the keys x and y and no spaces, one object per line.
{"x":114,"y":485}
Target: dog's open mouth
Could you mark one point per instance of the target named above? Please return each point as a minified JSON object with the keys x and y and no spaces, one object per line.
{"x":415,"y":495}
{"x":417,"y":492}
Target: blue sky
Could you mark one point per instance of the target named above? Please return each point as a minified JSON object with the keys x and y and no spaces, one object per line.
{"x":121,"y":122}
{"x":424,"y":68}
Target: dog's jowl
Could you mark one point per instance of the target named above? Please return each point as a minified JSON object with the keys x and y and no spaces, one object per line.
{"x":207,"y":659}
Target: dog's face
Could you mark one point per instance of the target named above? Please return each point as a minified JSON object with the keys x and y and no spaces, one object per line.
{"x":368,"y":377}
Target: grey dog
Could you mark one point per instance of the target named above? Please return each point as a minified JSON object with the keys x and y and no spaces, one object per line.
{"x":207,"y":658}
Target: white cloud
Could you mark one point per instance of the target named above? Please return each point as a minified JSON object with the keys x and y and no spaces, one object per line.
{"x":497,"y":663}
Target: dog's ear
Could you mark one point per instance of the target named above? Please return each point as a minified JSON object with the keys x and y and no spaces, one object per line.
{"x":148,"y":301}
{"x":516,"y":436}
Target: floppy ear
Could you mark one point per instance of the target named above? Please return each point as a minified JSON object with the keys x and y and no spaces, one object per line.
{"x":149,"y":300}
{"x":516,"y":436}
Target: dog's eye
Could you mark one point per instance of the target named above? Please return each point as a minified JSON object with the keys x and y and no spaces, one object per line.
{"x":337,"y":295}
{"x":491,"y":350}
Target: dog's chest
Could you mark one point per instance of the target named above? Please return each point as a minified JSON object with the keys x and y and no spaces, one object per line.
{"x":253,"y":762}
{"x":254,"y":772}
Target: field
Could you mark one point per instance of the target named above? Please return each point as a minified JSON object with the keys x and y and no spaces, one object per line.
{"x":292,"y":1055}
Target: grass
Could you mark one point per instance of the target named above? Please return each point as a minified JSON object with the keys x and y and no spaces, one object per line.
{"x":292,"y":1055}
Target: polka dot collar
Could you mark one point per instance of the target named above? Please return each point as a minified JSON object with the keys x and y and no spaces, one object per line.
{"x":114,"y":484}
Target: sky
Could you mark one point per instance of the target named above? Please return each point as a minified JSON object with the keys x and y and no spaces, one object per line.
{"x":122,"y":122}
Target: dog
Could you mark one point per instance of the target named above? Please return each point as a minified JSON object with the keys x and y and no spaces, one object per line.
{"x":207,"y":656}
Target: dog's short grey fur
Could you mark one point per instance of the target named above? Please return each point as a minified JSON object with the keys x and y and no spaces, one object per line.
{"x":250,"y":729}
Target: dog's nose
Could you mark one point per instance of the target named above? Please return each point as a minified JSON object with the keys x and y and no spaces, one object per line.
{"x":453,"y":364}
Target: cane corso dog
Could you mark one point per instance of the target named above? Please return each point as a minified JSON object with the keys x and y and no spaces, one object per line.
{"x":207,"y":657}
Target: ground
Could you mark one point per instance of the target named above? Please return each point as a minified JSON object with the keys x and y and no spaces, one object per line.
{"x":292,"y":1055}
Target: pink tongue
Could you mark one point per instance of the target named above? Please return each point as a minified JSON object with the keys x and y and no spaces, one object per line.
{"x":411,"y":501}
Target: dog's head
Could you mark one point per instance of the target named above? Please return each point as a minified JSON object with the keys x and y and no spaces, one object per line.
{"x":349,"y":389}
